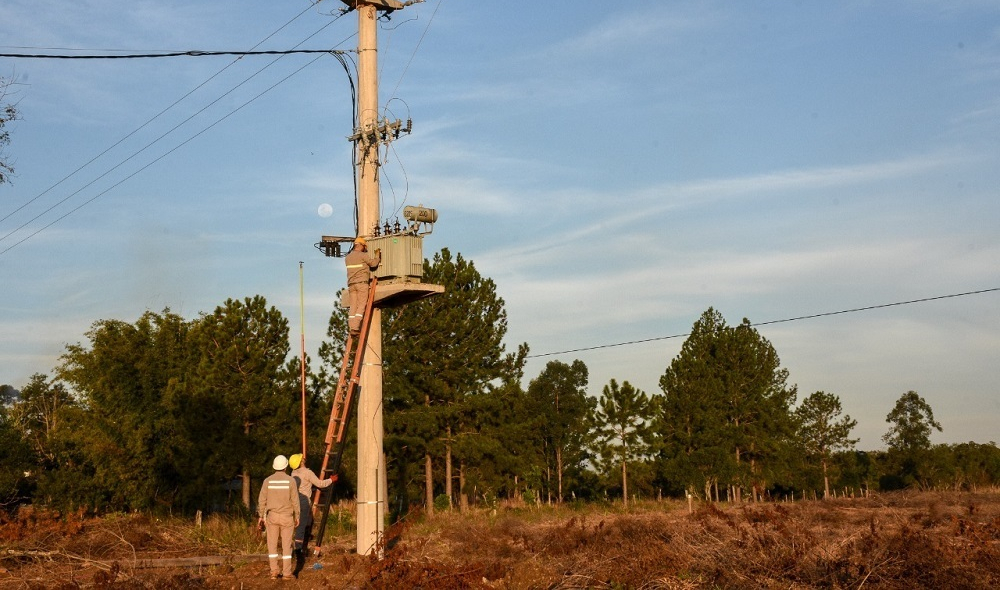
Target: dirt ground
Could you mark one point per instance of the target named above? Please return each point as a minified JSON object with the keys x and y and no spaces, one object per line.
{"x":900,"y":540}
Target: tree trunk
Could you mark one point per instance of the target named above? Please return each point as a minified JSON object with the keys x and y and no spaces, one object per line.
{"x":736,"y":490}
{"x":428,"y":485}
{"x":246,"y":472}
{"x":463,"y":498}
{"x":428,"y":473}
{"x":245,"y":477}
{"x":447,"y":468}
{"x":559,"y":472}
{"x":826,"y":481}
{"x":548,"y":478}
{"x":624,"y":485}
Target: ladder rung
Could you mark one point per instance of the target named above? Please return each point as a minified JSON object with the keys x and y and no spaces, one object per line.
{"x":347,"y":385}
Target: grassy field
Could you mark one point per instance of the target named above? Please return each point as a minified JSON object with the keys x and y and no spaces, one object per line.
{"x":900,"y":540}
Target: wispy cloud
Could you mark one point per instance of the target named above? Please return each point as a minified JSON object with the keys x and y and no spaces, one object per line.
{"x":646,"y":205}
{"x":653,"y":26}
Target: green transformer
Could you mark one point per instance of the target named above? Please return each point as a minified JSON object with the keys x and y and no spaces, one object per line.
{"x":402,"y":258}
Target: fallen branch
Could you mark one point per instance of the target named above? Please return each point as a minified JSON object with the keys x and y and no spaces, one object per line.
{"x":204,"y":560}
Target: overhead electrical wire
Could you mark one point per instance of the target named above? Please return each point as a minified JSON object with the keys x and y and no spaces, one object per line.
{"x":192,"y":53}
{"x":342,"y":58}
{"x":157,"y":159}
{"x":334,"y":52}
{"x":151,"y":119}
{"x":415,"y":48}
{"x":771,"y":322}
{"x":392,"y":96}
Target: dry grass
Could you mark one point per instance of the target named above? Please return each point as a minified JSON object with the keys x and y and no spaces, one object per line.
{"x":928,"y":540}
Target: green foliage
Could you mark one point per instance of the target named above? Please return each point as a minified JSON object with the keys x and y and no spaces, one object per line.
{"x":909,"y":442}
{"x":912,"y":421}
{"x":621,"y":422}
{"x":442,"y":502}
{"x":243,"y":347}
{"x":159,"y":414}
{"x":725,"y":414}
{"x":124,"y":437}
{"x":822,"y":430}
{"x":969,"y":466}
{"x":37,"y":412}
{"x":445,"y":369}
{"x":18,"y":462}
{"x":857,"y":469}
{"x":560,"y":411}
{"x":162,"y":412}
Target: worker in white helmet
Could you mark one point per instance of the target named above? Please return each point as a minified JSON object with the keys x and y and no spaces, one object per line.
{"x":278,"y":509}
{"x":306,"y":480}
{"x":359,"y":266}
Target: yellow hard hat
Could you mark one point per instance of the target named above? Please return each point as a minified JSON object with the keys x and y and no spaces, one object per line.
{"x":295,"y":460}
{"x":360,"y":240}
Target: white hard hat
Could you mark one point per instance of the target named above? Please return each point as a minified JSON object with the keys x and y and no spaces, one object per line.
{"x":280,"y":462}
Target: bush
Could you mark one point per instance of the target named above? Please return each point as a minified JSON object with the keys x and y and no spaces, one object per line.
{"x":442,"y":502}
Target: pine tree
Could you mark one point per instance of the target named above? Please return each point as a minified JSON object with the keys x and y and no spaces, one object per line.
{"x":243,"y":347}
{"x":563,"y":430}
{"x":621,"y":420}
{"x":439,"y":356}
{"x":725,"y":416}
{"x":822,"y":430}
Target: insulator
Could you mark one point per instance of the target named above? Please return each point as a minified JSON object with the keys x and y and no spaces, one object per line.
{"x":387,"y":228}
{"x":395,"y":226}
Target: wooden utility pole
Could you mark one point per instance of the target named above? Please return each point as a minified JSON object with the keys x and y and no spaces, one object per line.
{"x":399,"y":288}
{"x":371,"y":463}
{"x":370,"y":509}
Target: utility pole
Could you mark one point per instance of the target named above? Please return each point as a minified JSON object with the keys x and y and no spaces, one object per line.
{"x":371,"y":495}
{"x":398,"y":283}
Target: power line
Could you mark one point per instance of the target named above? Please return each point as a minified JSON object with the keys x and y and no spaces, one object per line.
{"x":392,"y":96}
{"x":191,"y":53}
{"x":339,"y":54}
{"x":770,"y":322}
{"x":415,"y":48}
{"x":164,"y":155}
{"x":144,"y":125}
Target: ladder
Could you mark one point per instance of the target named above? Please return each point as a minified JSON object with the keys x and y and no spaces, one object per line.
{"x":344,"y":400}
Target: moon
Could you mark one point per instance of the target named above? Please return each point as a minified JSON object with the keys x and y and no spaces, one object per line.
{"x":325,"y":210}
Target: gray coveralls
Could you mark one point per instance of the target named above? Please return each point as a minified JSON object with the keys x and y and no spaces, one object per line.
{"x":306,"y":480}
{"x":359,"y":266}
{"x":278,"y":505}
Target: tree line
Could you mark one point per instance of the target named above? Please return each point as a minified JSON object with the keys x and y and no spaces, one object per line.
{"x":174,"y":415}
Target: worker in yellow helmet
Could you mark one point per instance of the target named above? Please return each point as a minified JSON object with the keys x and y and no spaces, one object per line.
{"x":359,"y":266}
{"x":306,"y":480}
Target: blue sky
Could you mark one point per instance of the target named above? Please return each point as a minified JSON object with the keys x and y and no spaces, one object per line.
{"x":616,"y":169}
